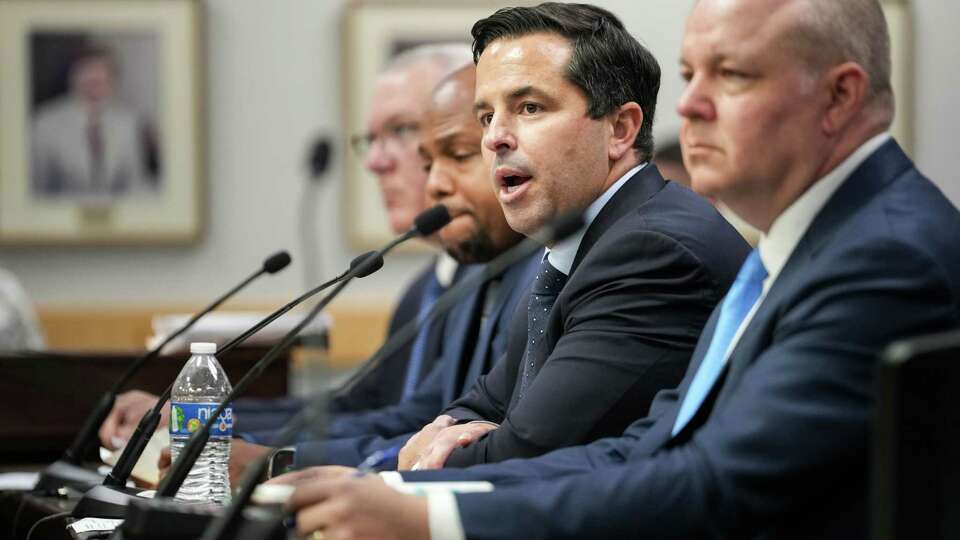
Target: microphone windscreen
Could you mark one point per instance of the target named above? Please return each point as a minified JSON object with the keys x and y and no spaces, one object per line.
{"x":276,"y":262}
{"x":566,"y":225}
{"x":431,"y":220}
{"x":368,"y":266}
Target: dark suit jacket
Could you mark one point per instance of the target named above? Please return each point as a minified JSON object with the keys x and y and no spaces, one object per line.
{"x":781,"y":448}
{"x":469,"y":352}
{"x":647,"y":274}
{"x":259,"y":418}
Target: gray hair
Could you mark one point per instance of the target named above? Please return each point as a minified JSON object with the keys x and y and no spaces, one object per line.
{"x":838,"y":31}
{"x":446,"y":57}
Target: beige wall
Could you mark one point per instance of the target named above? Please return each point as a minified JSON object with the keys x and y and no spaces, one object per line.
{"x":273,"y":84}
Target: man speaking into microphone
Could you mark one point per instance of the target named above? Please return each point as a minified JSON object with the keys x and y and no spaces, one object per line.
{"x":475,"y":331}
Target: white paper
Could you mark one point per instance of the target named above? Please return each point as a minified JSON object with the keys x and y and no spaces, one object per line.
{"x":94,"y":524}
{"x":146,"y":467}
{"x":18,"y":481}
{"x":221,"y":327}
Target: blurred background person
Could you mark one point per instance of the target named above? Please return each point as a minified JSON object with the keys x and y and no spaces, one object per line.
{"x":18,"y":323}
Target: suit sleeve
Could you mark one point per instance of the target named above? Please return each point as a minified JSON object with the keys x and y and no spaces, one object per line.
{"x":794,"y":433}
{"x":349,"y":452}
{"x":397,"y":419}
{"x":630,"y":326}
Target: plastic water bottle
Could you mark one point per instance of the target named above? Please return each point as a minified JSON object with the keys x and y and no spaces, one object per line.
{"x":197,"y":392}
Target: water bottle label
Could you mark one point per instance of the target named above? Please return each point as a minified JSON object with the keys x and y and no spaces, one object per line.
{"x":185,"y":418}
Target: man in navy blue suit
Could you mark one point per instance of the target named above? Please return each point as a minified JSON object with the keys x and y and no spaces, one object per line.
{"x":785,"y":118}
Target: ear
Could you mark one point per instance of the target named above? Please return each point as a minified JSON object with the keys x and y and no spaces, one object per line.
{"x":625,"y":122}
{"x":847,"y":87}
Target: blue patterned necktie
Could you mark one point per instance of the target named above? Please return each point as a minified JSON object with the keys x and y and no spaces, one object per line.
{"x":431,"y":292}
{"x":744,"y":292}
{"x":543,"y":294}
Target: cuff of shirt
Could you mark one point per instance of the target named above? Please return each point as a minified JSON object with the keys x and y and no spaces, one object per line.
{"x":443,"y":516}
{"x":391,"y":478}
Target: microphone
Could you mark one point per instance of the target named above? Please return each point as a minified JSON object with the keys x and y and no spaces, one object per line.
{"x":428,"y":222}
{"x":109,"y":499}
{"x":120,"y":473}
{"x":225,"y":525}
{"x":67,"y":470}
{"x":102,"y":501}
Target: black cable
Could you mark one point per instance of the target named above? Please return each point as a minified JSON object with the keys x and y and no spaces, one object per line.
{"x":16,"y":516}
{"x":48,"y":518}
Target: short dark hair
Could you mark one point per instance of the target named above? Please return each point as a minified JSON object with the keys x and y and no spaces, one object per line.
{"x":608,"y":64}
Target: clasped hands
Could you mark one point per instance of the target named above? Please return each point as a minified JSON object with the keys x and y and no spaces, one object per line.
{"x":432,"y":446}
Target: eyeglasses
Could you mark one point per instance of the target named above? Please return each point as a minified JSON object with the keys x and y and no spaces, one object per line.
{"x":403,"y":134}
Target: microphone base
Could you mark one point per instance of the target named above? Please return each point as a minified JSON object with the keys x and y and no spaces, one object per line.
{"x":163,"y":519}
{"x":60,"y":474}
{"x":106,"y":502}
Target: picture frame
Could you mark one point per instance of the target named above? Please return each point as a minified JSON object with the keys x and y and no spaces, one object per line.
{"x":372,"y":32}
{"x":101,"y":131}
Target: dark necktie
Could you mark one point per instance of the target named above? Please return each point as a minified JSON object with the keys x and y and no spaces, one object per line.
{"x":95,"y":147}
{"x":431,"y":292}
{"x":543,"y":294}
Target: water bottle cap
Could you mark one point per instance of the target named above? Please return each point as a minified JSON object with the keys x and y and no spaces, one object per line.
{"x":203,"y":348}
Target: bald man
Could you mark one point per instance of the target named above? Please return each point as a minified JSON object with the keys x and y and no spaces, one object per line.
{"x":767,"y":434}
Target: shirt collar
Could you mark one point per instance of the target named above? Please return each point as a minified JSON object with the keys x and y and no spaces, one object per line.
{"x":789,"y":227}
{"x":562,"y":254}
{"x":445,"y":268}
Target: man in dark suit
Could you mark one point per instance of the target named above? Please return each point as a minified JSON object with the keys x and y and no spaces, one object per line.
{"x":767,"y":435}
{"x":476,"y":330}
{"x":616,"y":307}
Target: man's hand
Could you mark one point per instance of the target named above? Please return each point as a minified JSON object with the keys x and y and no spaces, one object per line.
{"x":358,"y":509}
{"x":435,"y":455}
{"x":311,"y":474}
{"x":411,"y":452}
{"x":242,"y":454}
{"x":127,"y":411}
{"x":163,"y":463}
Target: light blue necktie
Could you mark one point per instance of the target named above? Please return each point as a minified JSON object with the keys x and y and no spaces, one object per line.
{"x":432,"y":291}
{"x":744,"y":292}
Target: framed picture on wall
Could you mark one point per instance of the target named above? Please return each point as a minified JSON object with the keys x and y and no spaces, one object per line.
{"x":100,"y":131}
{"x":374,"y":32}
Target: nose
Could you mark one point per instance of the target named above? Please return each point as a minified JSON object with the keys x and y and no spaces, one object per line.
{"x":440,"y":183}
{"x":696,"y":102}
{"x":378,"y":160}
{"x":499,"y":136}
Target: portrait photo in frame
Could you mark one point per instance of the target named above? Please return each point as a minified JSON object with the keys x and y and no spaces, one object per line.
{"x":101,"y":139}
{"x":373,"y":32}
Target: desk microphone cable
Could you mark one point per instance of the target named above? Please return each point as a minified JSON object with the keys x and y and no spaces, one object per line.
{"x":48,"y":518}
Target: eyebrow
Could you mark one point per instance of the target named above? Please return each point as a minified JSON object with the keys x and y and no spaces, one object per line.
{"x":522,"y":92}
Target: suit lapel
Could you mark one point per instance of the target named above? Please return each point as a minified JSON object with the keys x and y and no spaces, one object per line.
{"x":640,"y":187}
{"x":459,"y":323}
{"x":871,"y":177}
{"x":513,"y":287}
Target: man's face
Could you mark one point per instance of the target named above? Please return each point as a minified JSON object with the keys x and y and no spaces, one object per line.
{"x":92,"y":79}
{"x":751,"y":109}
{"x":458,"y":177}
{"x":399,"y":101}
{"x":545,"y":155}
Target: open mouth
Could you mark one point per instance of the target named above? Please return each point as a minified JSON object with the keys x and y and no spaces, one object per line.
{"x":512,"y":183}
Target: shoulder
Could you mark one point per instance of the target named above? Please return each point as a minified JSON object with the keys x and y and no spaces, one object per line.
{"x":673,"y":227}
